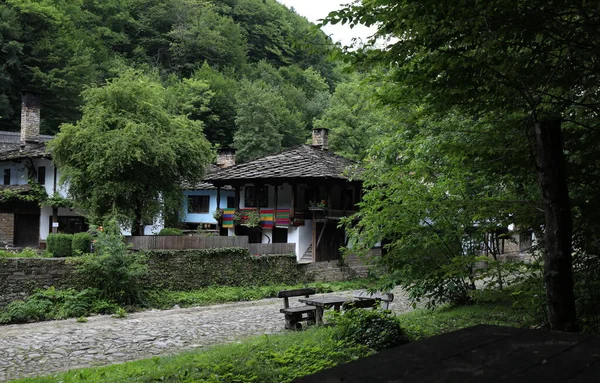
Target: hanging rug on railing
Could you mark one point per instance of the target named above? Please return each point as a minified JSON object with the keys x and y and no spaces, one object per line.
{"x":282,"y":218}
{"x":266,"y":218}
{"x":228,"y":218}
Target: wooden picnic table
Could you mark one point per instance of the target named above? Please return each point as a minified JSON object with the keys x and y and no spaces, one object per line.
{"x":321,"y":303}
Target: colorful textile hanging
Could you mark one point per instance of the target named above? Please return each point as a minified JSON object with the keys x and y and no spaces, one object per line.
{"x":266,"y":218}
{"x":228,"y":217}
{"x":244,"y":214}
{"x":282,"y":218}
{"x":299,"y":218}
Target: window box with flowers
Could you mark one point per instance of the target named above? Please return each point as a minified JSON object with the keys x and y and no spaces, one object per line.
{"x":317,"y":206}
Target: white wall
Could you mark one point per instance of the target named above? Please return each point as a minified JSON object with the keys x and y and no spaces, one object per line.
{"x":301,"y":236}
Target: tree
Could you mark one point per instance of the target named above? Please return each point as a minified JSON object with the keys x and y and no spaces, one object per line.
{"x":259,"y":120}
{"x":533,"y":59}
{"x":435,"y":189}
{"x":355,"y":118}
{"x":129,"y":153}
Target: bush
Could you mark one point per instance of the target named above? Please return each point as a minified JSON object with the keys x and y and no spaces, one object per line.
{"x":60,"y":245}
{"x":170,"y":231}
{"x":56,"y":304}
{"x":375,"y":329}
{"x":116,"y":273}
{"x":81,"y":244}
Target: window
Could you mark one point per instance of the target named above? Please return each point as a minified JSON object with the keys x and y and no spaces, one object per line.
{"x":70,"y":224}
{"x":250,"y":196}
{"x":231,"y":202}
{"x":41,"y":175}
{"x":6,"y":176}
{"x":198,"y":203}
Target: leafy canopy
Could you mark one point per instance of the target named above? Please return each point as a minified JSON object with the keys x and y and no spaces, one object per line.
{"x":130,"y":151}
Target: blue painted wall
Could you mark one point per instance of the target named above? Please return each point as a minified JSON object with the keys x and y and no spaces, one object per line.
{"x":204,"y":217}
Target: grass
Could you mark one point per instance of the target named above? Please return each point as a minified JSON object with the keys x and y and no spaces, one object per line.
{"x":265,"y":359}
{"x":25,"y":253}
{"x":424,"y":323}
{"x":164,"y":299}
{"x":282,"y":358}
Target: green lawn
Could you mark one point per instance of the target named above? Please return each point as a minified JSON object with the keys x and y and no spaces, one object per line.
{"x":281,"y":358}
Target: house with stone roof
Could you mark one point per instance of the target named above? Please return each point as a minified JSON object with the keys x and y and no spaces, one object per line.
{"x":300,"y":195}
{"x":27,"y":168}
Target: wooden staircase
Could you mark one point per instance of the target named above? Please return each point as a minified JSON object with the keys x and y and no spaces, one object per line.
{"x":307,"y":256}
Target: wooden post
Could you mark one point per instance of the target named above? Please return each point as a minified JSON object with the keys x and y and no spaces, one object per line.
{"x":329,"y":191}
{"x":54,"y":209}
{"x":275,"y":211}
{"x":218,"y":197}
{"x":314,"y":236}
{"x":293,"y":204}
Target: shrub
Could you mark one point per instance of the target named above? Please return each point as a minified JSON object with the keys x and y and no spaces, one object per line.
{"x":170,"y":231}
{"x":375,"y":329}
{"x":52,"y":304}
{"x":114,"y":272}
{"x":81,"y":244}
{"x":60,"y":245}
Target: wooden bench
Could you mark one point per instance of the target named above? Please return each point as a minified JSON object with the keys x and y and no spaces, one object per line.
{"x":297,"y":314}
{"x":365,"y":299}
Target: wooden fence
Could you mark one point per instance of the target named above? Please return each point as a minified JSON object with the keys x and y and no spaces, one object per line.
{"x":168,"y":242}
{"x":175,"y":242}
{"x":272,"y":248}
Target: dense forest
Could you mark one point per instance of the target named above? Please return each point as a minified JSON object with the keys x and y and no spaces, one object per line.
{"x":244,"y":68}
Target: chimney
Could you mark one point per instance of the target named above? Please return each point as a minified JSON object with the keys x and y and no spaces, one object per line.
{"x":320,"y":138}
{"x":30,"y":116}
{"x":225,"y":157}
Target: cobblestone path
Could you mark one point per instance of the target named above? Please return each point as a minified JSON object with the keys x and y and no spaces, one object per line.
{"x":46,"y":347}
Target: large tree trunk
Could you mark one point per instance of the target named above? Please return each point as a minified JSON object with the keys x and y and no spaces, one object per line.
{"x":558,"y":264}
{"x":138,"y":223}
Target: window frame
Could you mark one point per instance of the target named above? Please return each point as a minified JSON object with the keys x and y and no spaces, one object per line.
{"x":202,"y":203}
{"x":250,"y":196}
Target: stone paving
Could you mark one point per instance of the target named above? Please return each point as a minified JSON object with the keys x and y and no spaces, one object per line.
{"x":46,"y":347}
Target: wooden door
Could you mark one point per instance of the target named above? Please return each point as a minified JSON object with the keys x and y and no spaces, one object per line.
{"x":27,"y":230}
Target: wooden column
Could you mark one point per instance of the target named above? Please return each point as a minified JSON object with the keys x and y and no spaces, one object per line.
{"x":218,"y":197}
{"x":236,"y":202}
{"x":293,"y":204}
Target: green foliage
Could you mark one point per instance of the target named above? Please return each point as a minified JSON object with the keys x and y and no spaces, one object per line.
{"x":60,"y":245}
{"x":81,"y":243}
{"x":375,"y":329}
{"x":57,"y":200}
{"x":165,"y":299}
{"x":259,"y":119}
{"x":192,"y":269}
{"x":81,"y":319}
{"x":114,"y":272}
{"x":423,"y":323}
{"x":356,"y":119}
{"x":265,"y":359}
{"x":60,"y":48}
{"x":55,"y":304}
{"x":120,"y":313}
{"x":27,"y":252}
{"x":129,"y":152}
{"x":170,"y":231}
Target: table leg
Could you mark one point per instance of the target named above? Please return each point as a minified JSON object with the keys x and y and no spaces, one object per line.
{"x":319,"y":315}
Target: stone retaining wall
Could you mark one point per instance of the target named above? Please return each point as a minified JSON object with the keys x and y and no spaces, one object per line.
{"x":19,"y":277}
{"x":180,"y":270}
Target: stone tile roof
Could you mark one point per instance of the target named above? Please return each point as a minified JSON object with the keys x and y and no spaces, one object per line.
{"x":304,"y":161}
{"x":203,"y":185}
{"x":10,"y":146}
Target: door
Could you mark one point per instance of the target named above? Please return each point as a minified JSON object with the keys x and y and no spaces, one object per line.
{"x":27,"y":230}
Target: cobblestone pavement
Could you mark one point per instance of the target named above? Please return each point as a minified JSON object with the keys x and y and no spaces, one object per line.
{"x":46,"y":347}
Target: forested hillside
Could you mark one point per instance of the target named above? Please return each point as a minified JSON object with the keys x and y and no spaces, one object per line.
{"x":247,"y":69}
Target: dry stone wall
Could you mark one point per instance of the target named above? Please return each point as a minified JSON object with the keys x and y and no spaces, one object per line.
{"x":180,"y":270}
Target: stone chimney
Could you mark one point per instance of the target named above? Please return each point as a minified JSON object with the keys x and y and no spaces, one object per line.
{"x":320,"y":138}
{"x":225,"y":157}
{"x":30,"y":116}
